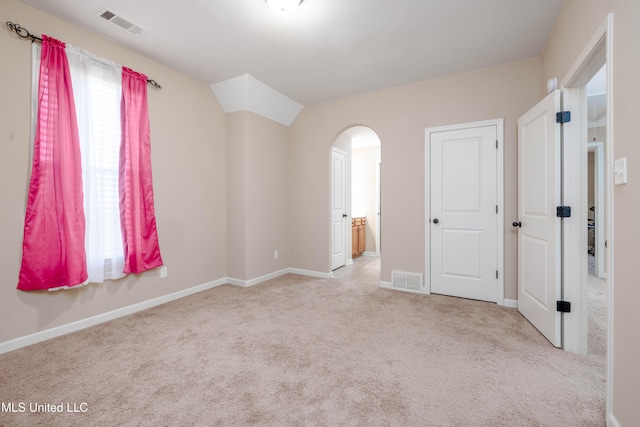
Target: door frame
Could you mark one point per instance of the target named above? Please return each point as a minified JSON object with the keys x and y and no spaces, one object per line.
{"x":378,"y":206}
{"x":499,"y":124}
{"x":596,"y":53}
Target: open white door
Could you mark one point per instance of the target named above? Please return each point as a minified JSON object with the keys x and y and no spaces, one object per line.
{"x":539,"y":235}
{"x":338,"y":208}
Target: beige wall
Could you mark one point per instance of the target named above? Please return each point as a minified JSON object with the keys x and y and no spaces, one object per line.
{"x":258,"y":216}
{"x":399,"y":116}
{"x":189,"y":171}
{"x":268,"y":214}
{"x":578,"y":22}
{"x":237,"y":196}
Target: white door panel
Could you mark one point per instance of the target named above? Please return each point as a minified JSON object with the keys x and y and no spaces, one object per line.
{"x":338,"y":208}
{"x":539,"y":176}
{"x":463,"y":212}
{"x":535,"y":283}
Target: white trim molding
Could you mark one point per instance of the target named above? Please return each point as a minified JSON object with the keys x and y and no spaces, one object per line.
{"x":388,"y":285}
{"x":613,"y":421}
{"x":257,"y":280}
{"x":511,"y":303}
{"x":597,"y":52}
{"x":310,"y":273}
{"x":58,"y":331}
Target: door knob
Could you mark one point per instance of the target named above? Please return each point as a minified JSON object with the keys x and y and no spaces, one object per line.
{"x":436,"y":220}
{"x":517,"y":224}
{"x":344,"y":215}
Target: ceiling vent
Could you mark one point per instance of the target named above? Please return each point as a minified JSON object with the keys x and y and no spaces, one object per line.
{"x":124,"y":23}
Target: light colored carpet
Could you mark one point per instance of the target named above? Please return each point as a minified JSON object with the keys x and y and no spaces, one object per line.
{"x":304,"y":351}
{"x":597,"y":301}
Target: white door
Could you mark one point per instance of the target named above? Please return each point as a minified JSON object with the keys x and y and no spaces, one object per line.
{"x":463,"y":212}
{"x":539,"y":174}
{"x":338,"y":208}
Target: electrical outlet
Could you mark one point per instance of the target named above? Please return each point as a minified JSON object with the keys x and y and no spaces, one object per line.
{"x":275,"y":254}
{"x":163,"y":271}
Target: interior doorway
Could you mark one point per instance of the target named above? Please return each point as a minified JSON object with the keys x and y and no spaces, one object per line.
{"x":596,"y":282}
{"x":362,"y":183}
{"x":596,"y":56}
{"x":596,"y":143}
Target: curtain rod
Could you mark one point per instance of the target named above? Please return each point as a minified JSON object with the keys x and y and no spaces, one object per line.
{"x":25,"y":34}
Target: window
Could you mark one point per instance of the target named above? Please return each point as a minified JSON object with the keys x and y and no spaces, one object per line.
{"x":97,"y":91}
{"x":88,"y":163}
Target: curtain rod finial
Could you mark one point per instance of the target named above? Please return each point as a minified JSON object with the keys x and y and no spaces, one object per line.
{"x":154,"y":83}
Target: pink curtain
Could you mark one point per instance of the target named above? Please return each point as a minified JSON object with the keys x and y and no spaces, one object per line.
{"x":53,"y":253}
{"x":139,"y":233}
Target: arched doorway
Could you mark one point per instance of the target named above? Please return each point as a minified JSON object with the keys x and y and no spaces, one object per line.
{"x":358,"y":148}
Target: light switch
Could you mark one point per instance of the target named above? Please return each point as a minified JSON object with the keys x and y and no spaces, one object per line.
{"x":620,"y":171}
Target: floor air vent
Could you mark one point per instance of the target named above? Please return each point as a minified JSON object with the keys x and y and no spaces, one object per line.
{"x":406,"y":281}
{"x":124,"y":23}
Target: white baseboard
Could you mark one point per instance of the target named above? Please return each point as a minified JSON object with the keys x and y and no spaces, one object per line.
{"x":511,"y":303}
{"x":311,"y":273}
{"x":236,"y":282}
{"x":369,"y":253}
{"x":37,"y":337}
{"x":387,"y":285}
{"x":257,"y":280}
{"x":613,"y":421}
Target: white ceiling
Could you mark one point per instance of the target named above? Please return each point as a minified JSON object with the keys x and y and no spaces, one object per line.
{"x":328,"y":48}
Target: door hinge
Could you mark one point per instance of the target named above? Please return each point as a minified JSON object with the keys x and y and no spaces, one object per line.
{"x":563,"y":211}
{"x":496,"y":274}
{"x":563,"y":117}
{"x":563,"y":306}
{"x":496,"y":143}
{"x":496,"y":208}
